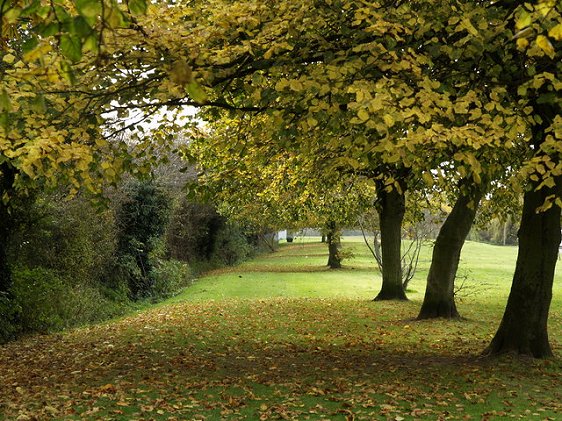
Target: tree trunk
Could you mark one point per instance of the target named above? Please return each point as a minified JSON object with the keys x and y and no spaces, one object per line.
{"x":391,"y":208}
{"x":523,"y":329}
{"x":439,"y":300}
{"x":6,"y":226}
{"x":334,"y":244}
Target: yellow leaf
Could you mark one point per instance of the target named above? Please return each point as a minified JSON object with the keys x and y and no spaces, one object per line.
{"x":9,"y":58}
{"x":545,"y":6}
{"x":427,"y":178}
{"x":545,"y":45}
{"x":388,"y":120}
{"x":556,"y":32}
{"x":363,"y":114}
{"x":522,"y":43}
{"x":467,"y":24}
{"x":523,"y":20}
{"x":181,"y":73}
{"x":295,"y":85}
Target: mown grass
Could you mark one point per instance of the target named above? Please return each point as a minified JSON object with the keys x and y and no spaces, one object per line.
{"x":282,"y":337}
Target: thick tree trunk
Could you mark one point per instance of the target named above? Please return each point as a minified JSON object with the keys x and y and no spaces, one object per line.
{"x":439,"y":300}
{"x":523,"y":329}
{"x":391,"y":208}
{"x":334,"y":244}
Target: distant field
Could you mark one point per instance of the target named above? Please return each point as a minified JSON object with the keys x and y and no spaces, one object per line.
{"x":299,"y":269}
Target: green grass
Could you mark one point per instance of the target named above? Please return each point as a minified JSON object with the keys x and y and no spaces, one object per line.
{"x":282,"y":337}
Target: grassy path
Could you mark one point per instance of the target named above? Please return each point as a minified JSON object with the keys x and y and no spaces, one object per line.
{"x":283,"y":338}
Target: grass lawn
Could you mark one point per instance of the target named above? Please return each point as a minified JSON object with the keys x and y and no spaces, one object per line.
{"x":282,"y":337}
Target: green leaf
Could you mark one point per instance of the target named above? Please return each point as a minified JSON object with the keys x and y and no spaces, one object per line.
{"x":549,"y":98}
{"x":61,"y":14}
{"x":29,"y":44}
{"x":31,"y":9}
{"x":71,"y":47}
{"x":47,"y":30}
{"x":91,"y":44}
{"x":115,"y":17}
{"x":137,"y":7}
{"x":5,"y":105}
{"x":81,"y":28}
{"x":67,"y":72}
{"x":89,"y":8}
{"x":195,"y":92}
{"x":38,"y":104}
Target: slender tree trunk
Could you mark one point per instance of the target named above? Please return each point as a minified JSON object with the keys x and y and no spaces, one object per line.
{"x":439,"y":300}
{"x":334,"y":244}
{"x":523,"y":329}
{"x":5,"y":273}
{"x":6,"y":228}
{"x":391,"y":208}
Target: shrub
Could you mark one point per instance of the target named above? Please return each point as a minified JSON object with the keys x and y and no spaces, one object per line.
{"x":197,"y":234}
{"x":231,"y":246}
{"x":72,"y":238}
{"x":46,"y":302}
{"x":170,"y":277}
{"x":141,"y":220}
{"x":40,"y":294}
{"x":9,"y":314}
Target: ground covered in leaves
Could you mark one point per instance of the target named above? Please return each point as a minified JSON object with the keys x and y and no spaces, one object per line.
{"x":335,"y":358}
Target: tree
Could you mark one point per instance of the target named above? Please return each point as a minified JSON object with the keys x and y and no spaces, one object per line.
{"x":379,"y":88}
{"x":261,"y":183}
{"x":523,"y":328}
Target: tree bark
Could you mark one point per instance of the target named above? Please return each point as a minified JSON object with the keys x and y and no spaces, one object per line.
{"x":523,"y":329}
{"x":391,"y":208}
{"x":6,"y":226}
{"x":334,"y":244}
{"x":439,"y":300}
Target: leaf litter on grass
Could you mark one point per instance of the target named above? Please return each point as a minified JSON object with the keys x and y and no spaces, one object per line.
{"x":273,"y":359}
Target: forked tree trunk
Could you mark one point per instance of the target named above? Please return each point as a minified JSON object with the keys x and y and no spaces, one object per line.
{"x":333,"y":238}
{"x":391,"y":208}
{"x":439,"y":300}
{"x":523,"y":329}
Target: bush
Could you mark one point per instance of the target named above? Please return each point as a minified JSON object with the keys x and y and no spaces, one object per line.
{"x":40,"y":294}
{"x":141,"y":221}
{"x":47,"y":302}
{"x":170,"y":277}
{"x":231,"y":246}
{"x":9,"y":314}
{"x":72,"y":238}
{"x":197,"y":234}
